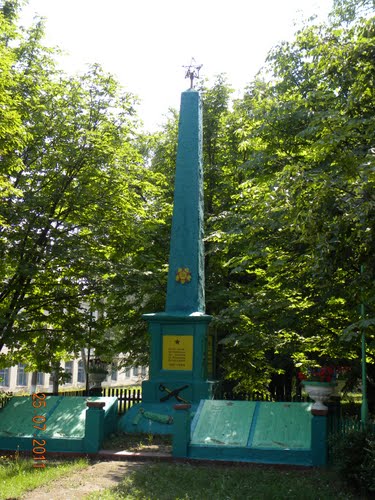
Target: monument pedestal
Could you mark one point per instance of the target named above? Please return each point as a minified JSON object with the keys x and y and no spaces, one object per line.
{"x":177,"y":374}
{"x":179,"y":351}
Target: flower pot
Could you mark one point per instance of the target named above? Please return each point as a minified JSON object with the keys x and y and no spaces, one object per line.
{"x":319,"y":392}
{"x":96,"y":378}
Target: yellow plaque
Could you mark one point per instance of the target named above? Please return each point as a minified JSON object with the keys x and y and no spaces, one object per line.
{"x":177,"y":352}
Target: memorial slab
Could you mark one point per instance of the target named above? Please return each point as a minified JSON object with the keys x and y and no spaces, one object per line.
{"x":223,"y":423}
{"x":257,"y":431}
{"x":283,"y":426}
{"x":61,"y":423}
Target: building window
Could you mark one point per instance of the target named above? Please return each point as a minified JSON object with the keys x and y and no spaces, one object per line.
{"x":114,"y":374}
{"x":143,"y":371}
{"x":4,"y":377}
{"x":40,"y":378}
{"x":127,"y":372}
{"x":21,"y":374}
{"x":136,"y":371}
{"x":81,"y":378}
{"x":69,"y":371}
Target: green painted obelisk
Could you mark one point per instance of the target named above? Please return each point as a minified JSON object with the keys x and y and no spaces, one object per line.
{"x":178,"y":371}
{"x":179,"y":335}
{"x":185,"y":291}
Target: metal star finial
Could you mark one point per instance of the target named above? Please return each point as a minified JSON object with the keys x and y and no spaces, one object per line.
{"x":192,"y":71}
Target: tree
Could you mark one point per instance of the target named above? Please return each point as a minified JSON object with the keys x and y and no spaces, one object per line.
{"x":350,"y":10}
{"x":302,"y":223}
{"x":289,"y":203}
{"x":73,"y":201}
{"x":11,"y":130}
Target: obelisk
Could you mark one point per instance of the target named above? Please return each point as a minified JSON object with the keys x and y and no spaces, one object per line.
{"x":185,"y":290}
{"x":179,"y":335}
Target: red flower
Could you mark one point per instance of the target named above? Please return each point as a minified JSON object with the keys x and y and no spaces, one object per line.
{"x":323,"y":374}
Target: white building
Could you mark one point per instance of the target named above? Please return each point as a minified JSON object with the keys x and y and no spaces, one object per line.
{"x":16,"y":379}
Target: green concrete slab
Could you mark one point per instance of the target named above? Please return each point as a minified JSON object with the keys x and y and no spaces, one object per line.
{"x":16,"y":419}
{"x":150,"y":418}
{"x":282,"y":426}
{"x":67,"y":419}
{"x":63,"y":417}
{"x":224,"y":423}
{"x":259,"y":432}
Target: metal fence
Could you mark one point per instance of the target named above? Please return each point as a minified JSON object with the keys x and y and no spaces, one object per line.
{"x":126,"y":396}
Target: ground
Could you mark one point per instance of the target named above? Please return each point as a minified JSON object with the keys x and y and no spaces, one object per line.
{"x":96,"y":477}
{"x":104,"y":474}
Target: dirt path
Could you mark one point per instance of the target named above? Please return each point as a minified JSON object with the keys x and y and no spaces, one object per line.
{"x":76,"y":486}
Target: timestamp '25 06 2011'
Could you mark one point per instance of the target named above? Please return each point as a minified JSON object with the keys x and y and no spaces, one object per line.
{"x":39,"y":424}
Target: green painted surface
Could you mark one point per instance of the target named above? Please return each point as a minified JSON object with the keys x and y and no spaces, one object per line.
{"x":259,"y":432}
{"x":16,"y":417}
{"x":283,"y":426}
{"x":252,"y":424}
{"x":139,"y":418}
{"x":225,"y":423}
{"x":186,"y":247}
{"x":68,"y":419}
{"x":183,"y":320}
{"x":61,"y":419}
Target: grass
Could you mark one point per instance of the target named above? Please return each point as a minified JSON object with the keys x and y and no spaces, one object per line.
{"x":222,"y":482}
{"x":17,"y":475}
{"x":138,"y":442}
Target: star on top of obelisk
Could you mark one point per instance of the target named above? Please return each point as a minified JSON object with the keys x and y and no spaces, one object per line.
{"x":192,"y":71}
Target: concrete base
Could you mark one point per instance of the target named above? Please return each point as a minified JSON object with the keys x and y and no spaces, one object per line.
{"x":246,"y":431}
{"x":62,"y":424}
{"x":151,"y":418}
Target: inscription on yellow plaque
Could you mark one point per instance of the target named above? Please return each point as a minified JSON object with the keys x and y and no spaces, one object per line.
{"x":177,"y":352}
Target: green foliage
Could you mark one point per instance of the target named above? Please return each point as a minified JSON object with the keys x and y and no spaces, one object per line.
{"x":75,"y":194}
{"x":348,"y":10}
{"x":354,"y":457}
{"x":368,"y":466}
{"x":11,"y":129}
{"x":289,"y":205}
{"x":301,"y":223}
{"x":5,"y":396}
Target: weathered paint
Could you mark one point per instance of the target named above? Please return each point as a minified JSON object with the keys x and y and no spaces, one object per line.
{"x":223,"y":422}
{"x":186,"y":246}
{"x":283,"y":426}
{"x":69,"y":425}
{"x":184,"y":321}
{"x":275,"y":433}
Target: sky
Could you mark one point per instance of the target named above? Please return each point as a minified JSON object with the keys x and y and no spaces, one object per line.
{"x":146,"y":43}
